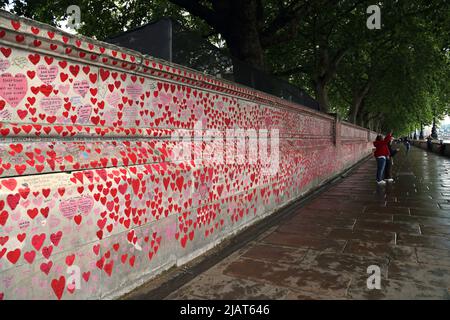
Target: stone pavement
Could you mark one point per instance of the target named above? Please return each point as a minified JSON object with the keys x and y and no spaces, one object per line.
{"x":324,"y":249}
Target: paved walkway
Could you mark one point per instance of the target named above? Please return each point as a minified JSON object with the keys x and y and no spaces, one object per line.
{"x":323,"y":251}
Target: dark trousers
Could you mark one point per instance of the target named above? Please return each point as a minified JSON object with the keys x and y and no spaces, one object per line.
{"x":381,"y":163}
{"x":388,"y":169}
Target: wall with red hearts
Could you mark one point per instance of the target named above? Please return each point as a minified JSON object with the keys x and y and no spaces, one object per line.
{"x":92,"y":202}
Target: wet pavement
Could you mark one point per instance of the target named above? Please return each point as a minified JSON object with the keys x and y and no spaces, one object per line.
{"x":324,"y":249}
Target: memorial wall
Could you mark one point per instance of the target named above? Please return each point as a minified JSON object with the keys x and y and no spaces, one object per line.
{"x":116,"y":166}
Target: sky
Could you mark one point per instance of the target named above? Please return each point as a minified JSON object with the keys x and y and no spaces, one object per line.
{"x":446,"y":120}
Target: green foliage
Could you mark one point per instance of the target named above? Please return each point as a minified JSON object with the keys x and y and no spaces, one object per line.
{"x":397,"y":77}
{"x":103,"y":18}
{"x":400,"y":73}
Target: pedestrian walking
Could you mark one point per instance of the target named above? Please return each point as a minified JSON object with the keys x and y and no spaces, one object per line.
{"x":407,"y":144}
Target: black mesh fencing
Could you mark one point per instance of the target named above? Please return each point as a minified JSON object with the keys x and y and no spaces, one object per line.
{"x":154,"y":39}
{"x":168,"y":40}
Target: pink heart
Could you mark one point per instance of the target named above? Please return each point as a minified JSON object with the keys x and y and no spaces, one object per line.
{"x":64,"y":88}
{"x":53,"y":221}
{"x":51,"y":105}
{"x":4,"y":64}
{"x":37,"y":201}
{"x":68,"y":208}
{"x":85,"y":205}
{"x":25,"y":204}
{"x":16,"y":216}
{"x":51,"y":204}
{"x":165,"y":98}
{"x":81,"y":87}
{"x":134,"y":91}
{"x":84,"y":113}
{"x":113,"y":99}
{"x":47,"y":75}
{"x":13,"y":89}
{"x":8,"y":229}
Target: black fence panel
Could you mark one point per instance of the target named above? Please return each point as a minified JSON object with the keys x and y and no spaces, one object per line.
{"x":153,"y":38}
{"x":168,"y":40}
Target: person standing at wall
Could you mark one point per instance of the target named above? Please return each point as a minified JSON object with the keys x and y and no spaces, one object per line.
{"x":381,"y":154}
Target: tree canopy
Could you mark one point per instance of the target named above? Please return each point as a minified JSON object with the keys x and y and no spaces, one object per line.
{"x":394,"y":77}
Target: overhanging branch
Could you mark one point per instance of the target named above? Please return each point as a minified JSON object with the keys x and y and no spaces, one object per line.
{"x":197,"y":9}
{"x":287,"y":17}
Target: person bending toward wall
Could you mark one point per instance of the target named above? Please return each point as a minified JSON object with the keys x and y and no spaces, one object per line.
{"x":381,"y":154}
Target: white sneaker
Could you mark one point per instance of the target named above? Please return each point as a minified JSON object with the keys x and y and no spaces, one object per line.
{"x":389,"y":180}
{"x":382,"y":182}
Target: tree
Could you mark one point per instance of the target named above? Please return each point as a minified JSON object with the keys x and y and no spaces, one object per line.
{"x":339,"y":34}
{"x":398,"y":75}
{"x":101,"y":19}
{"x":251,"y":26}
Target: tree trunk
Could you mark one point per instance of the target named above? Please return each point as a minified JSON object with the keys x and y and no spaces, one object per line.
{"x":326,"y":68}
{"x":378,"y":125}
{"x":239,"y":22}
{"x":356,"y":109}
{"x":362,"y":118}
{"x":322,"y":95}
{"x":242,"y":34}
{"x":241,"y":31}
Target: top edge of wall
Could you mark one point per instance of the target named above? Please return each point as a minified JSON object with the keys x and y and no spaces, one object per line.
{"x":354,"y":126}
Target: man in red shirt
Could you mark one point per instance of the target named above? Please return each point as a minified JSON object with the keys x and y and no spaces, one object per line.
{"x":382,"y":154}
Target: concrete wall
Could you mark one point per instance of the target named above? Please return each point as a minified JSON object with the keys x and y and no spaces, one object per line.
{"x":93,"y":201}
{"x":435,"y":146}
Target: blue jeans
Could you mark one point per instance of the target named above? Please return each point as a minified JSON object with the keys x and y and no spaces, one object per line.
{"x":381,"y":164}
